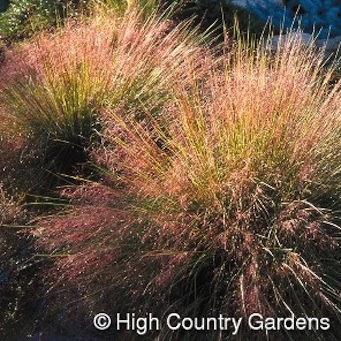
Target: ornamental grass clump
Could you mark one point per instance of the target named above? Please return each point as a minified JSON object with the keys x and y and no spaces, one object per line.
{"x":52,"y":88}
{"x":55,"y":86}
{"x":242,"y":186}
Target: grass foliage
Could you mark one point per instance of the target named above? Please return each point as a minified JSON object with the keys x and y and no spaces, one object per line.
{"x":220,"y":189}
{"x":244,"y":188}
{"x":55,"y":86}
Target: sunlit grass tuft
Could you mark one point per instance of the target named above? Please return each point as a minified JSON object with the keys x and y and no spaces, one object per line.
{"x":243,"y":185}
{"x":55,"y":86}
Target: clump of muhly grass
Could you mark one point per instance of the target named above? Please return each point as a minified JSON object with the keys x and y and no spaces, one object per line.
{"x":55,"y":86}
{"x":244,"y":188}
